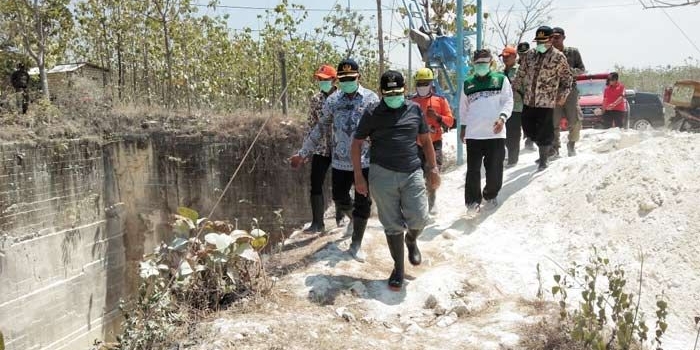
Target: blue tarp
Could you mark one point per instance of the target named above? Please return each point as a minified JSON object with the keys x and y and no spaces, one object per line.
{"x":444,"y":49}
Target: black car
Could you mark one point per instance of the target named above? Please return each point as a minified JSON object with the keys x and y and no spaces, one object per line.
{"x":646,"y":111}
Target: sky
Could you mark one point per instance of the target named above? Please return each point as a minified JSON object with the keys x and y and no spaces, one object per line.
{"x":607,"y":32}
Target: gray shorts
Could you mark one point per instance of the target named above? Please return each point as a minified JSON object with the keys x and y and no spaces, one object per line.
{"x":400,"y":198}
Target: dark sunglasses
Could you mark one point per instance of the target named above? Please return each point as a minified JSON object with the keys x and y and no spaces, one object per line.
{"x":346,"y":79}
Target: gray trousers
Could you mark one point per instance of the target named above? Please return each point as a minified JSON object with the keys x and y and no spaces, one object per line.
{"x":400,"y":198}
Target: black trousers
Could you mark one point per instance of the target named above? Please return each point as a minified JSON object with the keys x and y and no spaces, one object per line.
{"x":490,"y":153}
{"x":22,"y":99}
{"x":319,"y":168}
{"x":538,"y":125}
{"x":611,"y":117}
{"x":342,"y":182}
{"x":513,"y":135}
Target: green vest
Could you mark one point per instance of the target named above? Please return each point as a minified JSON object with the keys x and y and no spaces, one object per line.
{"x":493,"y":83}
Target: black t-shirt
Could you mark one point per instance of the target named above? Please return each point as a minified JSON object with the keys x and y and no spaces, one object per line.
{"x":393,"y":134}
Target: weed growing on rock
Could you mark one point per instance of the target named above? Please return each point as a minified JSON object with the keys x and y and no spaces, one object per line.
{"x":191,"y":275}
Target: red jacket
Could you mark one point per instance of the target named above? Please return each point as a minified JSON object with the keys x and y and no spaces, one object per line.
{"x":441,"y":107}
{"x":611,"y":94}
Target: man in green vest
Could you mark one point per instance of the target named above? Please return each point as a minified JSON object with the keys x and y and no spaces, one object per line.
{"x":485,"y":106}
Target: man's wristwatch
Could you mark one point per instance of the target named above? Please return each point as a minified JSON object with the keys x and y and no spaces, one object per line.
{"x":504,"y":117}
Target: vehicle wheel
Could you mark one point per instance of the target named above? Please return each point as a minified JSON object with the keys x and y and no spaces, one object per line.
{"x":642,"y":124}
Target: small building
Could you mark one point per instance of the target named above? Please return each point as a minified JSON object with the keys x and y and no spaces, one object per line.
{"x":71,"y":81}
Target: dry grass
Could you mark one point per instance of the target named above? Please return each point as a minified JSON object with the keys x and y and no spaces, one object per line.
{"x":45,"y":121}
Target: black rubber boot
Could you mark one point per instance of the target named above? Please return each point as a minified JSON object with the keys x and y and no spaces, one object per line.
{"x":358,"y":231}
{"x":339,"y":216}
{"x":544,"y":152}
{"x":414,"y":256}
{"x":395,"y":243}
{"x":317,"y":206}
{"x":571,"y":148}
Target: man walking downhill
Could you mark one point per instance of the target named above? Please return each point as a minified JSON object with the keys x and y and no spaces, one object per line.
{"x":514,"y":124}
{"x":570,"y":110}
{"x":342,"y":112}
{"x":546,"y":78}
{"x":523,"y":47}
{"x":20,"y":81}
{"x":438,"y":115}
{"x":321,"y":159}
{"x":486,"y":105}
{"x":396,"y":175}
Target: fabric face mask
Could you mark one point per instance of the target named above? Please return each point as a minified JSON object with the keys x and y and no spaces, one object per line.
{"x":325,"y":85}
{"x":348,"y":87}
{"x":394,"y":102}
{"x":541,"y":48}
{"x":423,"y":90}
{"x":481,"y":69}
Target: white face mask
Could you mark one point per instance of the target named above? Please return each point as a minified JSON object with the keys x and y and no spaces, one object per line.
{"x":423,"y":90}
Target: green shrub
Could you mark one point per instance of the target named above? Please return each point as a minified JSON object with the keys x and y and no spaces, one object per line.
{"x":609,"y":316}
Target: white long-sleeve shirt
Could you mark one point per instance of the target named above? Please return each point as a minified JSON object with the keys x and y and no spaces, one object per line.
{"x":483,"y":100}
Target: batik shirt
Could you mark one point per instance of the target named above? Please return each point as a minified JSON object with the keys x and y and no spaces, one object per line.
{"x":545,"y":78}
{"x":315,"y":106}
{"x":341,"y":114}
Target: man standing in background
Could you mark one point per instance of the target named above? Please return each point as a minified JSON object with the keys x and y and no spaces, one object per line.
{"x":20,"y":81}
{"x":438,"y":115}
{"x":514,"y":124}
{"x":570,"y":110}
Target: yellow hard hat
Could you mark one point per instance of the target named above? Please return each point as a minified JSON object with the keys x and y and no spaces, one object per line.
{"x":424,"y":74}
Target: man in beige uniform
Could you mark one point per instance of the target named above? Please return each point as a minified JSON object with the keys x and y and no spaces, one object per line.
{"x":570,"y":110}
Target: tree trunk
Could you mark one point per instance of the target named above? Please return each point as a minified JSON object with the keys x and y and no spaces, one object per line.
{"x":42,"y":74}
{"x":380,"y":36}
{"x":168,"y":63}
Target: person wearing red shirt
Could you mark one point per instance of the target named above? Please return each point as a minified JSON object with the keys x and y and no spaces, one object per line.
{"x":438,"y":115}
{"x":614,"y":102}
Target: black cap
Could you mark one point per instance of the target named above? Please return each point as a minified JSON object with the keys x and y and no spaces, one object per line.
{"x":392,"y":82}
{"x":348,"y":68}
{"x":482,"y":56}
{"x":558,"y":30}
{"x":523,"y":47}
{"x":543,"y":33}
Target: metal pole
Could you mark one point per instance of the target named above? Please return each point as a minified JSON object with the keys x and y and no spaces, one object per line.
{"x":479,"y":24}
{"x":460,"y":75}
{"x":410,"y":61}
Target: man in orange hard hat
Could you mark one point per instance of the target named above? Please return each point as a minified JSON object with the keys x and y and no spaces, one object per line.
{"x":438,"y":115}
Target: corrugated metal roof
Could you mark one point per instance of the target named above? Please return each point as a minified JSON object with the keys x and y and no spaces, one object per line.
{"x":63,"y":68}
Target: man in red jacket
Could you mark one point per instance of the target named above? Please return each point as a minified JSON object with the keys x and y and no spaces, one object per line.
{"x":438,"y":115}
{"x":614,"y":102}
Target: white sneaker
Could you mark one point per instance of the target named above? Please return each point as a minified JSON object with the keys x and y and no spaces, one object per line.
{"x":491,"y":204}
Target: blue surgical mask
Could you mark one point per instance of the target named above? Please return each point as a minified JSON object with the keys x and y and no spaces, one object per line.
{"x":325,"y":85}
{"x":394,"y":102}
{"x":348,"y":87}
{"x":481,"y":69}
{"x":541,"y":48}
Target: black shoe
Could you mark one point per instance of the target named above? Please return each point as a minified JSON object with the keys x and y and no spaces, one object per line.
{"x":571,"y":148}
{"x":317,"y":208}
{"x":358,"y":231}
{"x":395,"y":243}
{"x":542,"y":162}
{"x":414,"y":256}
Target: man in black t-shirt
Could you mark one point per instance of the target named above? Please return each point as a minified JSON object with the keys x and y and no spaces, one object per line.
{"x":395,"y":174}
{"x":20,"y":81}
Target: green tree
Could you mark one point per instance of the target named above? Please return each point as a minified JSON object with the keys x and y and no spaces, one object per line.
{"x":43,"y":27}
